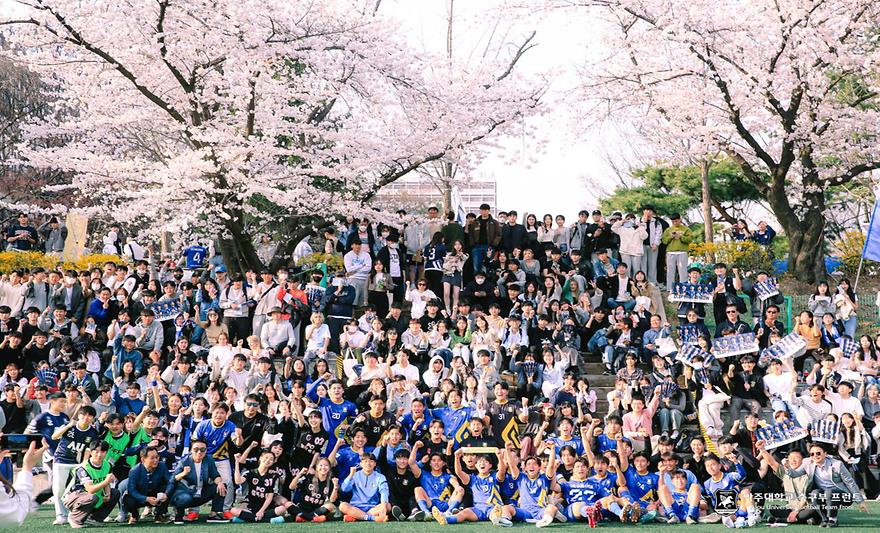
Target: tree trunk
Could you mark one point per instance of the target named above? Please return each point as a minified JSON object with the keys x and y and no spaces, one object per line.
{"x":707,"y":201}
{"x":239,"y":253}
{"x":806,"y":248}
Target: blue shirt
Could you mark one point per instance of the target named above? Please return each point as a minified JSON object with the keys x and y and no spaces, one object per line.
{"x":641,"y":486}
{"x":586,"y":491}
{"x":532,"y":492}
{"x":436,"y":487}
{"x":345,"y":459}
{"x":366,"y":490}
{"x":485,"y":490}
{"x":333,"y":414}
{"x":196,"y":257}
{"x":574,"y":442}
{"x":73,"y":444}
{"x":728,"y":481}
{"x":455,"y":422}
{"x":45,"y":424}
{"x":216,"y":438}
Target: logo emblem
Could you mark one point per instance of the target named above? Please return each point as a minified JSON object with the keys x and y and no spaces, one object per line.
{"x":725,"y":501}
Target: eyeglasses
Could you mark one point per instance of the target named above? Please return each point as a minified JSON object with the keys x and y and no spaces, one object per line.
{"x":422,"y":284}
{"x":252,"y":404}
{"x":772,"y":312}
{"x":817,"y":454}
{"x":199,"y":450}
{"x":731,"y":312}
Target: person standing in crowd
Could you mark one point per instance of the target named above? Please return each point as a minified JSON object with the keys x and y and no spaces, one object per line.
{"x":393,"y":258}
{"x":21,"y":237}
{"x":484,"y":235}
{"x":677,"y":239}
{"x":54,"y":234}
{"x":654,"y":226}
{"x":357,"y":270}
{"x":764,"y":235}
{"x":632,"y":235}
{"x":513,"y":234}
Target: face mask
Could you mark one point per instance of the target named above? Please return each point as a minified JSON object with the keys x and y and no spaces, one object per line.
{"x":386,"y":234}
{"x":362,"y":229}
{"x":141,"y":272}
{"x":316,"y":279}
{"x":70,"y":281}
{"x":282,"y":277}
{"x":628,"y":224}
{"x":96,"y":286}
{"x":697,"y":365}
{"x":120,"y":297}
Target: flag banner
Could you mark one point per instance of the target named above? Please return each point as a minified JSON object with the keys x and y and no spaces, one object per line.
{"x":872,"y":238}
{"x":730,"y":345}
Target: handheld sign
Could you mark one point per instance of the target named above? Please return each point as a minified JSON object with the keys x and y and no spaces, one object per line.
{"x":730,"y":345}
{"x":691,"y":292}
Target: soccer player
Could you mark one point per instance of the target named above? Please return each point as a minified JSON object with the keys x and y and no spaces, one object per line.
{"x":335,"y":410}
{"x":641,"y":482}
{"x":374,"y":422}
{"x":503,"y":416}
{"x":312,"y":440}
{"x":344,"y":458}
{"x":437,"y":488}
{"x":74,"y":438}
{"x":534,"y":489}
{"x":454,"y":417}
{"x":719,"y":480}
{"x":565,"y":428}
{"x":609,"y":483}
{"x":369,"y":493}
{"x":261,"y":501}
{"x":680,"y":503}
{"x":485,"y":489}
{"x":220,"y":434}
{"x":582,"y":494}
{"x":316,"y":493}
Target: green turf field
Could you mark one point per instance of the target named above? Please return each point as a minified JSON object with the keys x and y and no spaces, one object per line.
{"x":851,"y":520}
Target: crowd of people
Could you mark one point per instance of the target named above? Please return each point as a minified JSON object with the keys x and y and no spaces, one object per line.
{"x":448,"y":373}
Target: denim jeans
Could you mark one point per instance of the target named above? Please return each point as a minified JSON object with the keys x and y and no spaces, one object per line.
{"x":597,"y":342}
{"x":670,"y":417}
{"x":629,"y":305}
{"x":478,"y":254}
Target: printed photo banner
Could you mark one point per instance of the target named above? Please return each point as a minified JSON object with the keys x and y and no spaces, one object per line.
{"x":688,"y":334}
{"x":688,"y":352}
{"x":767,"y":289}
{"x":668,"y":389}
{"x":730,"y":345}
{"x":792,"y":345}
{"x":780,"y":434}
{"x":165,"y":309}
{"x":825,"y":431}
{"x":692,"y":292}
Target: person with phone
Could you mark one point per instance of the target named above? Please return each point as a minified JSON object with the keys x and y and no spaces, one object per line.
{"x":16,"y":498}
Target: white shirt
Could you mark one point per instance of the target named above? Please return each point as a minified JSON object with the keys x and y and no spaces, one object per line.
{"x":410,"y":372}
{"x":780,"y":385}
{"x":358,"y":265}
{"x":393,"y":258}
{"x":316,"y":341}
{"x":274,"y":333}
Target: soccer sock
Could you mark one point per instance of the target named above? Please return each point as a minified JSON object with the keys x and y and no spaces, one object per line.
{"x":321,"y":511}
{"x":423,"y":505}
{"x":615,"y":508}
{"x":693,"y":510}
{"x":368,"y":518}
{"x":453,"y":503}
{"x":451,"y":520}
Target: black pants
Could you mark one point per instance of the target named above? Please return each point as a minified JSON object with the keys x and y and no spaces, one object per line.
{"x":239,"y":328}
{"x":434,"y":279}
{"x":829,"y":502}
{"x":802,"y":516}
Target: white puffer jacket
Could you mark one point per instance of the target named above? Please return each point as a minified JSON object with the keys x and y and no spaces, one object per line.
{"x":630,"y":238}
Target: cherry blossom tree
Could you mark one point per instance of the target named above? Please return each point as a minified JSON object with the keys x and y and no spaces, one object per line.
{"x":216,"y":116}
{"x":787,"y":90}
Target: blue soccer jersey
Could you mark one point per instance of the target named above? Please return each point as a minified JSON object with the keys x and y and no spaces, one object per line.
{"x":485,"y":490}
{"x":455,"y":422}
{"x":532,"y":492}
{"x":436,"y":487}
{"x":574,"y":442}
{"x":729,"y":480}
{"x":218,"y":439}
{"x":45,"y":424}
{"x":196,"y":257}
{"x":606,"y":483}
{"x":641,"y":486}
{"x":586,"y":491}
{"x":345,"y":459}
{"x":333,"y":414}
{"x":607,"y":444}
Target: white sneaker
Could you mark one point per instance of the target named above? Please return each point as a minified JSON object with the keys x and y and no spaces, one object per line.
{"x":727,"y":521}
{"x":60,"y":521}
{"x":544,"y":522}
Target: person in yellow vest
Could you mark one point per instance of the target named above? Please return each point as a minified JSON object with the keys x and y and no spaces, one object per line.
{"x":90,"y":498}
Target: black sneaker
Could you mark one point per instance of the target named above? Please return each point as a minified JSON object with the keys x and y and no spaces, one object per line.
{"x":178,"y":520}
{"x":397,"y":513}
